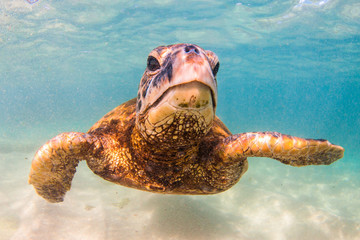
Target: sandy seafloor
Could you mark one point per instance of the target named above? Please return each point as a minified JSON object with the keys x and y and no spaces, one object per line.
{"x":271,"y":201}
{"x":287,"y":66}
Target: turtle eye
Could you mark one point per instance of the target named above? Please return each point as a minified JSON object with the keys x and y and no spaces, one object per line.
{"x":216,"y":69}
{"x":152,"y":63}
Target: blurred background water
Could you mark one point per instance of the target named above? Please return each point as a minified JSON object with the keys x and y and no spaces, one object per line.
{"x":290,"y":66}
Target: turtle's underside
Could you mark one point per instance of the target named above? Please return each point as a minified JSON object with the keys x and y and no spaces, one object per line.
{"x":168,"y":139}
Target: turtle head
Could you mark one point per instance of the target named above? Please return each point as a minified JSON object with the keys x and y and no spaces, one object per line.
{"x":177,"y":94}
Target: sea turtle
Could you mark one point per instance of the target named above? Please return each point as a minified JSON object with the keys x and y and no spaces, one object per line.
{"x":168,"y":139}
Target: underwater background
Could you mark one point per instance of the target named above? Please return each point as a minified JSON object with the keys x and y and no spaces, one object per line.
{"x":289,"y":66}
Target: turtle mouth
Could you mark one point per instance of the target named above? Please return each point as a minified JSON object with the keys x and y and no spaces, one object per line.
{"x":183,"y":114}
{"x":191,"y":95}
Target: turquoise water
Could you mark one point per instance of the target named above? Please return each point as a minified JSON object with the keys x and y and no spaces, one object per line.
{"x":287,"y":66}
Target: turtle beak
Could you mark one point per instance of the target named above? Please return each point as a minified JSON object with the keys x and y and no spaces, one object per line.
{"x":193,"y":95}
{"x":192,"y":66}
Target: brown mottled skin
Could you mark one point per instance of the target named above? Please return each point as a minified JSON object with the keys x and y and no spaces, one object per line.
{"x":168,"y":139}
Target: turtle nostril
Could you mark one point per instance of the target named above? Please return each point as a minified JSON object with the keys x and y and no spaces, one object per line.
{"x":191,"y":48}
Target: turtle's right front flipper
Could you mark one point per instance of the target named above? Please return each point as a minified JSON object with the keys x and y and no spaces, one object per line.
{"x":54,"y":164}
{"x":287,"y":149}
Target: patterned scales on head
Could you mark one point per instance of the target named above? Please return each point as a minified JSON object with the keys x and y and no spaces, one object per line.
{"x":168,"y":139}
{"x":177,"y":95}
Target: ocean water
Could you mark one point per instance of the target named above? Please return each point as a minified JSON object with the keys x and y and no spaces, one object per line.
{"x":290,"y":66}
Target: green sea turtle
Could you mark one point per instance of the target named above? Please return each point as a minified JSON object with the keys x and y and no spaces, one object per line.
{"x":168,"y":139}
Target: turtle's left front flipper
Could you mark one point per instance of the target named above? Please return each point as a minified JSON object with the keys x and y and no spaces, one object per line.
{"x":54,"y":164}
{"x":284,"y":148}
